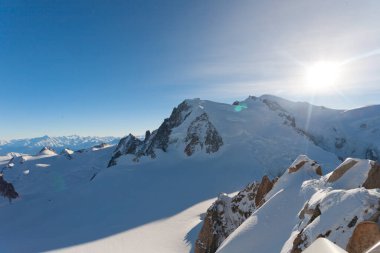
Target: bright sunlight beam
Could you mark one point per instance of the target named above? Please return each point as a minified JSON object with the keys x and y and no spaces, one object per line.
{"x":322,"y":76}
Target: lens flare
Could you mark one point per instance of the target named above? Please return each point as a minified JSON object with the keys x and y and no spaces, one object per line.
{"x":240,"y":107}
{"x":322,"y":76}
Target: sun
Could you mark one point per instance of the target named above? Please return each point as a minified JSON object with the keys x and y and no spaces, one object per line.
{"x":322,"y":76}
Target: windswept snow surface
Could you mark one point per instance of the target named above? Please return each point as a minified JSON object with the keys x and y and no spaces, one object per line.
{"x":64,"y":205}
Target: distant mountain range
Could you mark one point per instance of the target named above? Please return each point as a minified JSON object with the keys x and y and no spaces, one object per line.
{"x":34,"y":145}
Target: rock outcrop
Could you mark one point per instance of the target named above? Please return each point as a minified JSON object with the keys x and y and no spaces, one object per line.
{"x":365,"y":235}
{"x":373,"y":178}
{"x":7,"y":190}
{"x":226,"y":214}
{"x":127,"y":145}
{"x":343,"y":207}
{"x":356,"y":228}
{"x":341,"y":170}
{"x":201,"y":135}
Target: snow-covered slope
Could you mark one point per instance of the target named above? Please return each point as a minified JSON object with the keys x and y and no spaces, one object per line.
{"x":347,"y":133}
{"x":150,"y":195}
{"x":34,"y":145}
{"x":303,"y":206}
{"x":249,"y":134}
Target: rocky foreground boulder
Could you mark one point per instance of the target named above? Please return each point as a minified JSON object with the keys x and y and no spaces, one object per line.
{"x":228,"y":213}
{"x":344,"y":208}
{"x":300,"y":207}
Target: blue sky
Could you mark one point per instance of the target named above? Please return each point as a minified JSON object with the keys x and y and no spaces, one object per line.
{"x":113,"y":67}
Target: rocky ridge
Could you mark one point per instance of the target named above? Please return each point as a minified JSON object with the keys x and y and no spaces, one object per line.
{"x":201,"y":135}
{"x":337,"y":206}
{"x":228,"y":213}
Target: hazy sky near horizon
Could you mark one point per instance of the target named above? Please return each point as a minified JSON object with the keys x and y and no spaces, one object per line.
{"x":101,"y":67}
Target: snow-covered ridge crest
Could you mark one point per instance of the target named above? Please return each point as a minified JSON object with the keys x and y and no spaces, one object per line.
{"x":303,"y":205}
{"x":227,"y":213}
{"x":262,"y":121}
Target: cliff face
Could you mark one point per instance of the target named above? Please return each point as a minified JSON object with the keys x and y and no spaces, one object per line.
{"x":201,"y":135}
{"x":228,"y":213}
{"x":7,"y":190}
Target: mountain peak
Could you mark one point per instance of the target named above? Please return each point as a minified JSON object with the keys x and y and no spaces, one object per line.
{"x":47,"y":151}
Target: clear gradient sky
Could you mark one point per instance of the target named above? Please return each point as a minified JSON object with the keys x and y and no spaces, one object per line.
{"x":93,"y":67}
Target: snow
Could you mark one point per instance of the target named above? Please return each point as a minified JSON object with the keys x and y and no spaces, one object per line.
{"x":355,"y":176}
{"x":172,"y":234}
{"x":280,"y":210}
{"x":358,"y":129}
{"x":42,"y":165}
{"x":33,"y":145}
{"x":153,"y":200}
{"x":77,"y":204}
{"x":324,"y":245}
{"x":341,"y":203}
{"x":338,"y":208}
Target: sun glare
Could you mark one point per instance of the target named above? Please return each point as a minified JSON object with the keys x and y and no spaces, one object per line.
{"x":322,"y":76}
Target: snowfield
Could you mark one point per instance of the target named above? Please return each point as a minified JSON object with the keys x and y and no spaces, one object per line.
{"x":155,"y":193}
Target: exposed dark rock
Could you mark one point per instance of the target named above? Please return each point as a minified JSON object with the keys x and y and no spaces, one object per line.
{"x":226,"y":214}
{"x":264,"y":187}
{"x":127,"y":145}
{"x":298,"y":242}
{"x":327,"y":234}
{"x":202,"y":133}
{"x":147,"y":135}
{"x":236,"y":103}
{"x":161,"y":138}
{"x":373,"y":178}
{"x":353,"y":222}
{"x":315,"y":213}
{"x":296,"y":167}
{"x":7,"y":190}
{"x":339,"y":172}
{"x":365,"y":235}
{"x":301,"y":239}
{"x":158,"y":139}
